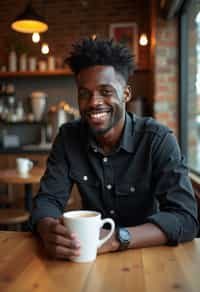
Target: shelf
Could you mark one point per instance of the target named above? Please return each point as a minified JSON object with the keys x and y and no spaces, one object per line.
{"x":58,"y":72}
{"x":6,"y":123}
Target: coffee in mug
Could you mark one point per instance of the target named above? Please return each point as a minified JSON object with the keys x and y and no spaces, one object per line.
{"x":87,"y":225}
{"x":24,"y":165}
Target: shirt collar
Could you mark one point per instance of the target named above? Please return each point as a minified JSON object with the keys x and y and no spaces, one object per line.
{"x":126,"y":142}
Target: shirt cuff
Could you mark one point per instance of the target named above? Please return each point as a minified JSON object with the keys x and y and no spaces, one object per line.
{"x":38,"y":214}
{"x":169,"y":224}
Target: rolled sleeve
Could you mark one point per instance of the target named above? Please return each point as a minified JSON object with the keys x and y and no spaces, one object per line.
{"x":170,"y":225}
{"x":177,"y":215}
{"x":39,"y":213}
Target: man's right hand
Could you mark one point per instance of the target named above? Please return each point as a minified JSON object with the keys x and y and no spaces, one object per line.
{"x":58,"y":241}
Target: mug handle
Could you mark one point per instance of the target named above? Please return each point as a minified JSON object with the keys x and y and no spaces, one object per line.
{"x":105,"y":238}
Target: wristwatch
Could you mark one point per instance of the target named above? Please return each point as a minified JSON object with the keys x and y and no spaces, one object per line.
{"x":124,"y":237}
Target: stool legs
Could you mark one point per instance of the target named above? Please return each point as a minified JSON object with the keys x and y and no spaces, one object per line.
{"x":28,"y":197}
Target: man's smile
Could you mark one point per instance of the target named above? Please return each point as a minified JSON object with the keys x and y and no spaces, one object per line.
{"x":97,"y":116}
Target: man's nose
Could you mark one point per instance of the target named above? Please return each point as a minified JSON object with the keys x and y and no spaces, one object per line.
{"x":96,"y":98}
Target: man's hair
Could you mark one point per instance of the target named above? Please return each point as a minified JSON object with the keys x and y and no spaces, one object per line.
{"x":89,"y":52}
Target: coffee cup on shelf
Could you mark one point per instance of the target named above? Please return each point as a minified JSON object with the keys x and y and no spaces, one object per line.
{"x":24,"y":166}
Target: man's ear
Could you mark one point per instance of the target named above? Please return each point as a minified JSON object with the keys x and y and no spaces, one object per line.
{"x":127,"y":93}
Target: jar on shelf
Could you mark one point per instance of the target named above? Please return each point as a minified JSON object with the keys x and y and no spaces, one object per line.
{"x":42,"y":65}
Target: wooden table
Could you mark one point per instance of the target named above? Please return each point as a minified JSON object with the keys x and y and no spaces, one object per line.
{"x":11,"y":176}
{"x":24,"y":268}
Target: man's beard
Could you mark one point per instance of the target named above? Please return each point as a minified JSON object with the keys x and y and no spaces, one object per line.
{"x":110,"y":125}
{"x":100,"y":132}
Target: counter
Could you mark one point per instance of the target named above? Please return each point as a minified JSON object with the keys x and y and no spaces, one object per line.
{"x":32,"y":148}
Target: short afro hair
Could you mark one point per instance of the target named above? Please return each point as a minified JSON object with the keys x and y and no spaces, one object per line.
{"x":91,"y":52}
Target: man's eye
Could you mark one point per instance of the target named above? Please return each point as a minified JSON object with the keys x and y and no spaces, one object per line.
{"x":84,"y":94}
{"x":106,"y":92}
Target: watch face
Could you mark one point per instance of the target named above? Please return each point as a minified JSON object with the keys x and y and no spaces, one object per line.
{"x":124,"y":235}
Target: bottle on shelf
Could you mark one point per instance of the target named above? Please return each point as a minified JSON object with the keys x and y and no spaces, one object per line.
{"x":12,"y":61}
{"x":2,"y":92}
{"x":32,"y":64}
{"x":23,"y":62}
{"x":11,"y":102}
{"x":51,"y":63}
{"x":20,"y":111}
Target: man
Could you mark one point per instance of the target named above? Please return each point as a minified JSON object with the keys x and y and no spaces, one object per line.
{"x":126,"y":167}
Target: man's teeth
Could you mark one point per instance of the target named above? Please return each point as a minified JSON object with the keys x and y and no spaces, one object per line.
{"x":98,"y":115}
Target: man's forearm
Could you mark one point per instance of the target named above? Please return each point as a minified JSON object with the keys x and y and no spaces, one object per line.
{"x":147,"y":235}
{"x":142,"y":236}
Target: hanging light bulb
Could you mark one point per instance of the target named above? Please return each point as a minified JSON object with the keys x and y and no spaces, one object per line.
{"x":94,"y":36}
{"x":45,"y":48}
{"x":35,"y":37}
{"x":143,"y":40}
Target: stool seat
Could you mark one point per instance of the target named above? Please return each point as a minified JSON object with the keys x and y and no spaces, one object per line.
{"x":12,"y":216}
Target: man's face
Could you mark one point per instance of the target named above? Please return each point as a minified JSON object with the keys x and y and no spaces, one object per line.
{"x":102,"y":94}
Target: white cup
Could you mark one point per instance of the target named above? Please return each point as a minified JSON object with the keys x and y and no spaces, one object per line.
{"x":24,"y":165}
{"x":86,"y":225}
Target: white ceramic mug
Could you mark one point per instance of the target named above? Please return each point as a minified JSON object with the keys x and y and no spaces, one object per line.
{"x":86,"y":225}
{"x":24,"y":165}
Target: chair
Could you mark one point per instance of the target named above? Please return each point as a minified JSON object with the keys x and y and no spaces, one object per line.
{"x":75,"y":201}
{"x":13,"y":218}
{"x":4,"y":201}
{"x":6,"y":197}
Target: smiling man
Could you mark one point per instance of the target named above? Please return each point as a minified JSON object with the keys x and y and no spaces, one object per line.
{"x":125,"y":167}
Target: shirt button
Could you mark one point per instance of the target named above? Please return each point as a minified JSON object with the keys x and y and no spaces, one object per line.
{"x":132,"y":189}
{"x":85,"y":178}
{"x":112,"y":212}
{"x":109,"y":187}
{"x":105,"y":159}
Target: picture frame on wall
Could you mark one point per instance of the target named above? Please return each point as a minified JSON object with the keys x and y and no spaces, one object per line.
{"x":126,"y":34}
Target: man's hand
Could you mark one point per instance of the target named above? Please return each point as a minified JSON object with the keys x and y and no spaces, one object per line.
{"x":57,"y":240}
{"x":110,"y":245}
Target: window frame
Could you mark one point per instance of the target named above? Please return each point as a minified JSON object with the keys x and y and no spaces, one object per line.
{"x":183,"y":80}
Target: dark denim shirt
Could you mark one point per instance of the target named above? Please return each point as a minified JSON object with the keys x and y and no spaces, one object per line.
{"x":144,"y":180}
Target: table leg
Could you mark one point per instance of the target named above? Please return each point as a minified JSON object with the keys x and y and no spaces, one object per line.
{"x":28,"y":197}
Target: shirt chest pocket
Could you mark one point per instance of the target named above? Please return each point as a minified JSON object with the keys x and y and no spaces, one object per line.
{"x":132,"y":201}
{"x":133,"y":194}
{"x":88,"y":187}
{"x":131,"y":188}
{"x":83,"y":179}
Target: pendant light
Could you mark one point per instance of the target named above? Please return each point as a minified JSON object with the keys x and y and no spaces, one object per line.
{"x":29,"y":21}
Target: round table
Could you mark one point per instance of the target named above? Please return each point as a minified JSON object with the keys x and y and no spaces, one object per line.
{"x":11,"y":176}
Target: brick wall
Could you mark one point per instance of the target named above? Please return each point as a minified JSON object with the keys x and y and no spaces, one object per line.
{"x":166,"y":73}
{"x":69,"y":20}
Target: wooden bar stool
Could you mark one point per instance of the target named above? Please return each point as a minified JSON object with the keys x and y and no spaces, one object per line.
{"x":13,"y":218}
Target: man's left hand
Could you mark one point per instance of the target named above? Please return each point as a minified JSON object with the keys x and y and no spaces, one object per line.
{"x":110,"y":245}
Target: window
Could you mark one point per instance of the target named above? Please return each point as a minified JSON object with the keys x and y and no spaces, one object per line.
{"x":190,"y":83}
